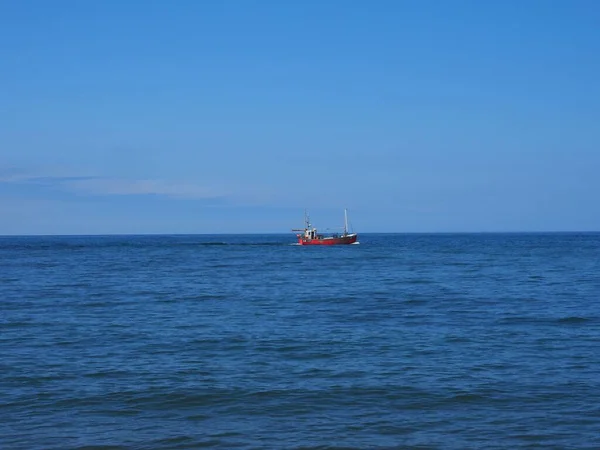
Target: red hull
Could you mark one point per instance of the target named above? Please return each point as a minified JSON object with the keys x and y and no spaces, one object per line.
{"x":344,"y":240}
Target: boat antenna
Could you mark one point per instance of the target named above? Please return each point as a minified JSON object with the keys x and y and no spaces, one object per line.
{"x":306,"y":219}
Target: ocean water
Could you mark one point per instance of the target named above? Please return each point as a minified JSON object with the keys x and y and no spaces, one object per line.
{"x":404,"y":341}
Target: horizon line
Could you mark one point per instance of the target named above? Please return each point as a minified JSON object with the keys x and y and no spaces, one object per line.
{"x":291,"y":233}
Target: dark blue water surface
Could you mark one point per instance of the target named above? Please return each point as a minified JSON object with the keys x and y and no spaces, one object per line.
{"x":428,"y":341}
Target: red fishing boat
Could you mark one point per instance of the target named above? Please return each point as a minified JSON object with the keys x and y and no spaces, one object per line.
{"x":310,"y":236}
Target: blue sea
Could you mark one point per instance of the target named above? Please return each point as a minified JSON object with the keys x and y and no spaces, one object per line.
{"x":449,"y":341}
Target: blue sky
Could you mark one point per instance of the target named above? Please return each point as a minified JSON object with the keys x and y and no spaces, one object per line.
{"x":234,"y":116}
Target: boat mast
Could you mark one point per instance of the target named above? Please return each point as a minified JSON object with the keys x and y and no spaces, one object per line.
{"x":345,"y":221}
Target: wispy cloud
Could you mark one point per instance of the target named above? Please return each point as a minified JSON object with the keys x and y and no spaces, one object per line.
{"x":107,"y":186}
{"x":115,"y":186}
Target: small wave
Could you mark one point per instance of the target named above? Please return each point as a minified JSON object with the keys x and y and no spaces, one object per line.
{"x":96,"y":304}
{"x":186,"y":441}
{"x":574,"y":320}
{"x":419,"y":281}
{"x":570,"y":320}
{"x":242,"y":244}
{"x":96,"y":244}
{"x":469,"y":397}
{"x":43,"y":246}
{"x":519,"y":320}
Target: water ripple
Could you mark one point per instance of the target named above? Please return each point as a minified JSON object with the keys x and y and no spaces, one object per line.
{"x":406,"y":341}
